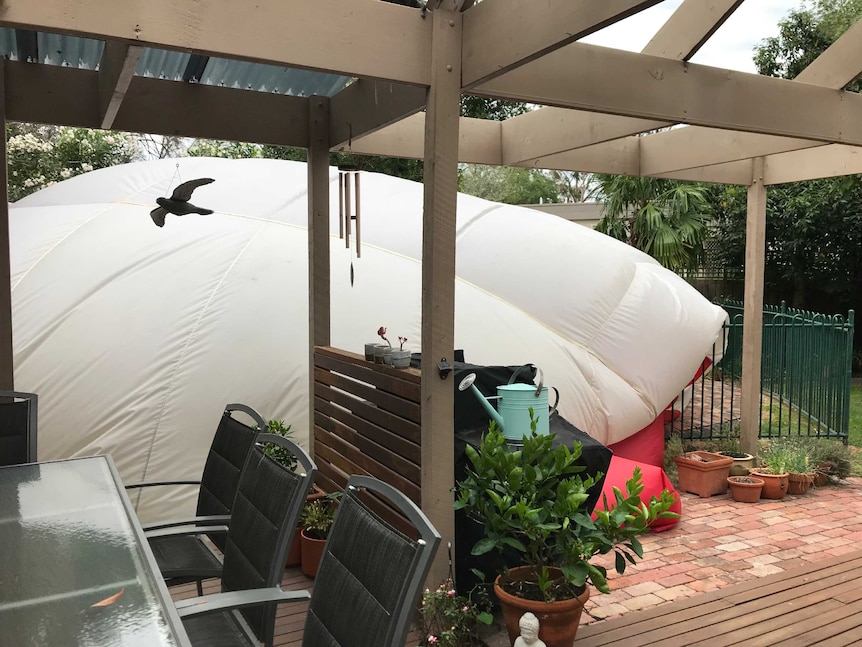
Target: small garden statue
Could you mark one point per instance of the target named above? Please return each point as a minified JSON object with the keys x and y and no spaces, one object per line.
{"x":529,"y":637}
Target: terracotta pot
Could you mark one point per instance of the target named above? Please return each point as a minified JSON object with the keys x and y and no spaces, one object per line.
{"x":799,"y":483}
{"x":740,"y":466}
{"x":774,"y":485}
{"x":703,"y":473}
{"x":312,"y":553}
{"x":558,"y":621}
{"x":294,"y":553}
{"x":745,"y":489}
{"x":821,"y":475}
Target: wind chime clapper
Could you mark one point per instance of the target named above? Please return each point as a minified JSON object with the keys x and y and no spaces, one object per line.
{"x":348,"y":206}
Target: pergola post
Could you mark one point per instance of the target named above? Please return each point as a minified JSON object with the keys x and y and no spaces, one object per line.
{"x":7,"y":369}
{"x":318,"y":240}
{"x":752,"y":330}
{"x":438,"y":277}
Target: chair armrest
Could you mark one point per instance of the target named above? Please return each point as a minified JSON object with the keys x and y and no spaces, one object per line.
{"x":211,"y":519}
{"x":194,"y":530}
{"x":135,"y":486}
{"x":237,"y":600}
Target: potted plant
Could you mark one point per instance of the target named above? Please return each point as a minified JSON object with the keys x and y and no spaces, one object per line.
{"x":283,"y":456}
{"x":800,"y":472}
{"x":703,"y":473}
{"x":315,"y":521}
{"x":774,"y":458}
{"x":531,"y":503}
{"x":383,"y":353}
{"x":729,"y":446}
{"x":401,"y":357}
{"x":745,"y":489}
{"x":447,"y":619}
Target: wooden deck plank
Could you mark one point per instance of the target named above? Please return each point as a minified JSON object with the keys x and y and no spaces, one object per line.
{"x":807,"y":605}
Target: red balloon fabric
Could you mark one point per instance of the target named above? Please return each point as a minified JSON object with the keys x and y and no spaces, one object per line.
{"x":645,"y":446}
{"x":654,"y":481}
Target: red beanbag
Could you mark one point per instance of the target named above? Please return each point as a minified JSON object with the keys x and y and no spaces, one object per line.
{"x":645,"y":446}
{"x":654,"y":481}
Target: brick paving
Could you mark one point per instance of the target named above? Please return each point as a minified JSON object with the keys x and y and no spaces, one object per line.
{"x":718,"y":542}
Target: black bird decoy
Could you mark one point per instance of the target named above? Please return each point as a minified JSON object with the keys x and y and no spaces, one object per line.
{"x":178,"y":204}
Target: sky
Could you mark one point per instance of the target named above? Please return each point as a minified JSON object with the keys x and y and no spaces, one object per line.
{"x":730,"y":47}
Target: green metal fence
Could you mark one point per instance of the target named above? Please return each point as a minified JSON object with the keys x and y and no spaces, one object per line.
{"x":806,"y":367}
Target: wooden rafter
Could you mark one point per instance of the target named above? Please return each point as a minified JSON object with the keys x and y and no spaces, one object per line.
{"x":501,"y":35}
{"x":364,"y":38}
{"x":650,"y":87}
{"x":366,"y":106}
{"x":115,"y":73}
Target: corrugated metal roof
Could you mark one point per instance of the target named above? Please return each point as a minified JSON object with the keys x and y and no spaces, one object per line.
{"x":85,"y":53}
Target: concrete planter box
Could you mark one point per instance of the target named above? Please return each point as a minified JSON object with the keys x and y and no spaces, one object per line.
{"x":703,"y":473}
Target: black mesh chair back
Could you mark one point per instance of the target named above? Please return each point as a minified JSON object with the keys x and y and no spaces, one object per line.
{"x":229,"y":449}
{"x":371,"y":575}
{"x":264,"y":517}
{"x":18,"y":416}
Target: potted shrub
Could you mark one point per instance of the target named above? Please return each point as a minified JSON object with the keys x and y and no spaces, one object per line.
{"x":315,"y":521}
{"x":531,"y":503}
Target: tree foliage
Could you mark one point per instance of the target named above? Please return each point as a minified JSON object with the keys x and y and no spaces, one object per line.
{"x":666,"y":219}
{"x":38,"y":156}
{"x":814,"y":228}
{"x":507,"y":184}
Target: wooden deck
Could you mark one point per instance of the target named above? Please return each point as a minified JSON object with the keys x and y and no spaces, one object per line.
{"x":816,"y":604}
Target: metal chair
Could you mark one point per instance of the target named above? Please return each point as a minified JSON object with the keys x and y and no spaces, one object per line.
{"x":177,"y":555}
{"x":18,"y":418}
{"x":265,"y":515}
{"x":366,"y":589}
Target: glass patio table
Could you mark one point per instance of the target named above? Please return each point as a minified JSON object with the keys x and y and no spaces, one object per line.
{"x":75,"y":567}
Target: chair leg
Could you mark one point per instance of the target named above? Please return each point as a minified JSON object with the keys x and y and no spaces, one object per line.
{"x":200,"y":588}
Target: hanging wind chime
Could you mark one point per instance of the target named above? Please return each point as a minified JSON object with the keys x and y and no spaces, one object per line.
{"x":348,"y":209}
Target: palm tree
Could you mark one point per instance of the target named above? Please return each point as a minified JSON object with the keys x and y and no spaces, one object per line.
{"x":667,"y":219}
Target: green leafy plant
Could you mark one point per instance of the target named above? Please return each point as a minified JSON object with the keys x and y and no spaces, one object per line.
{"x":277,"y":452}
{"x":786,"y":454}
{"x":317,"y":516}
{"x":533,"y":501}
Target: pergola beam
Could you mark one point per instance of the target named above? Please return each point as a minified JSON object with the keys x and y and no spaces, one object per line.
{"x":539,"y":134}
{"x":388,"y":41}
{"x":116,"y":70}
{"x":478,"y":143}
{"x":686,"y":148}
{"x":366,"y":106}
{"x":56,"y":95}
{"x":835,"y":68}
{"x":689,"y":27}
{"x":650,"y":87}
{"x":501,"y":35}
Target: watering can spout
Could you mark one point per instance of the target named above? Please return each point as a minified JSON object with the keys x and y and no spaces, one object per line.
{"x":467,"y":383}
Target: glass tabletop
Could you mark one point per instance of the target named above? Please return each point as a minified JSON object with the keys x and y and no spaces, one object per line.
{"x":73,"y":566}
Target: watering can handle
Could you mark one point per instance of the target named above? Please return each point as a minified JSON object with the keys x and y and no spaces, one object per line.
{"x":541,"y":377}
{"x":556,"y":402}
{"x":518,"y":372}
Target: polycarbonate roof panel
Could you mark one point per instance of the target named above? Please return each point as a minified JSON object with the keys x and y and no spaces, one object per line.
{"x":86,"y":53}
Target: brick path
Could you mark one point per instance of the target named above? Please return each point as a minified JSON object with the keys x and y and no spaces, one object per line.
{"x":718,"y":542}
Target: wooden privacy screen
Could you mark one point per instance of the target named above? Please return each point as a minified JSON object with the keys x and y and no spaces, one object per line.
{"x":366,"y":421}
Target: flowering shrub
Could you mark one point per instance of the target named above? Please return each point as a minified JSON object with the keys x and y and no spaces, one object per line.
{"x":447,"y":619}
{"x":38,"y":156}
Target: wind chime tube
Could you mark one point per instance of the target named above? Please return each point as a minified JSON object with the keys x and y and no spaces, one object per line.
{"x":340,"y":208}
{"x":356,"y":216}
{"x":347,"y":210}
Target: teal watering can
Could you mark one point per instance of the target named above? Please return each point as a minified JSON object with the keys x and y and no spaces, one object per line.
{"x":514,"y":402}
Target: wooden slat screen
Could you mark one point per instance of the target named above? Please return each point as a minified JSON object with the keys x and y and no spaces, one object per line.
{"x":366,"y":421}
